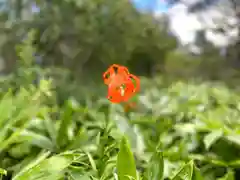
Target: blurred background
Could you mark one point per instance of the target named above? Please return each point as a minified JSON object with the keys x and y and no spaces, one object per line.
{"x":177,"y":38}
{"x":186,"y":53}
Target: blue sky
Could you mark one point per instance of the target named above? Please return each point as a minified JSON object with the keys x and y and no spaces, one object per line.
{"x":154,"y":5}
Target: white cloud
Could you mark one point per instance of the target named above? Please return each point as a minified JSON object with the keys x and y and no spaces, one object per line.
{"x":183,"y":24}
{"x":220,"y":15}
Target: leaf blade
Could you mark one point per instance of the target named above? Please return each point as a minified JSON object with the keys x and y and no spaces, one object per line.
{"x":156,"y":168}
{"x":125,"y":161}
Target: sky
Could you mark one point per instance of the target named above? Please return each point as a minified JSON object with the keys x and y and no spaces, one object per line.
{"x":155,"y":5}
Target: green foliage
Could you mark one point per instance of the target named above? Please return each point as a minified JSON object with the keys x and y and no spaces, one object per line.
{"x":90,"y":34}
{"x":52,"y":127}
{"x":182,"y":131}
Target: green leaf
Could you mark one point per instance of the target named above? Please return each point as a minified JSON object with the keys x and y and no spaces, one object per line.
{"x":235,"y":163}
{"x":211,"y":138}
{"x":211,"y":160}
{"x":82,"y":177}
{"x":125,"y":161}
{"x":36,"y":161}
{"x":92,"y":162}
{"x":6,"y":108}
{"x":62,"y":137}
{"x":185,"y":172}
{"x":156,"y":167}
{"x":48,"y":169}
{"x":197,"y":174}
{"x":49,"y":125}
{"x":228,"y":176}
{"x":3,"y":172}
{"x":37,"y":139}
{"x":79,"y":140}
{"x":234,"y":139}
{"x":31,"y":111}
{"x":24,"y":108}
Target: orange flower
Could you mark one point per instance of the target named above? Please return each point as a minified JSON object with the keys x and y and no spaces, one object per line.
{"x":115,"y":73}
{"x":121,"y":84}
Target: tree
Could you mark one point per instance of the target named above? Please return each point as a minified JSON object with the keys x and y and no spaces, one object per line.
{"x":84,"y":35}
